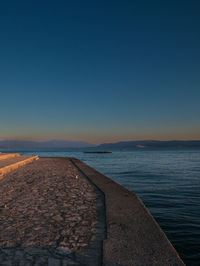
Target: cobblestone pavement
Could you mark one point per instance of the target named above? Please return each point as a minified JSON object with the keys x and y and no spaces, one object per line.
{"x":47,"y":214}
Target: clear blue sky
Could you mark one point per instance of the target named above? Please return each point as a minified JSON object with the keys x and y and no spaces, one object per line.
{"x":100,"y":70}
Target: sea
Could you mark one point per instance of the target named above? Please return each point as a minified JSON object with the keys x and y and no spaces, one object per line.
{"x":167,"y":181}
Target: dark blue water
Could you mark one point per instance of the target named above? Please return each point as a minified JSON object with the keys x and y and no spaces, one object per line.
{"x":168,"y":182}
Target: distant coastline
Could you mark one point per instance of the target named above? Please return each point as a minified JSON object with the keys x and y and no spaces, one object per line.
{"x":122,"y":145}
{"x":127,"y":145}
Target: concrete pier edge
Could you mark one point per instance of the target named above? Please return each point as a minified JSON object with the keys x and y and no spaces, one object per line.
{"x":133,"y":236}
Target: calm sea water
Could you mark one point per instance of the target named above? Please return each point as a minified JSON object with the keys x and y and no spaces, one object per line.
{"x":168,"y":182}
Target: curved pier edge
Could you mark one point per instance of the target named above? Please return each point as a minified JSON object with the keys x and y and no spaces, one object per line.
{"x":133,"y":236}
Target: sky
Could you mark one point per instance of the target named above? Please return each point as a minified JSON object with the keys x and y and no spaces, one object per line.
{"x":99,"y":71}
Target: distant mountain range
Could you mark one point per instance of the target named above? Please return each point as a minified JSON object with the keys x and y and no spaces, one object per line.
{"x":67,"y":144}
{"x":150,"y":144}
{"x":51,"y":144}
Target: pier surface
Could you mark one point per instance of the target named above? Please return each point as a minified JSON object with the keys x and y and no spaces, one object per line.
{"x":60,"y":211}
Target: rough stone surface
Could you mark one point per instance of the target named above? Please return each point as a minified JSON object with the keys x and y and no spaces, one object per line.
{"x":48,"y":216}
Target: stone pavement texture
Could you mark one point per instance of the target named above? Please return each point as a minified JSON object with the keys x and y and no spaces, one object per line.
{"x":49,"y":216}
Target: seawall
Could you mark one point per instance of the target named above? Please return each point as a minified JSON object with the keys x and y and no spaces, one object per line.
{"x":133,"y":235}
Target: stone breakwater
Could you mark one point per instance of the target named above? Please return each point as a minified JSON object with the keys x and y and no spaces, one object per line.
{"x":48,"y":215}
{"x":60,"y":211}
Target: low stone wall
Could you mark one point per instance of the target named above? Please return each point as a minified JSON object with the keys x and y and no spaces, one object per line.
{"x":11,"y":167}
{"x":4,"y":156}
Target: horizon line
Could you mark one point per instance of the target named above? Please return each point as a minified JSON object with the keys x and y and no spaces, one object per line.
{"x":109,"y":142}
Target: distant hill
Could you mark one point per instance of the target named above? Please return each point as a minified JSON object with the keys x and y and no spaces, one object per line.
{"x":67,"y":144}
{"x":51,"y":144}
{"x":151,"y":144}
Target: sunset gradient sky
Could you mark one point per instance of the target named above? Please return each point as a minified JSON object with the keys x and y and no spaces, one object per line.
{"x":99,"y":71}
